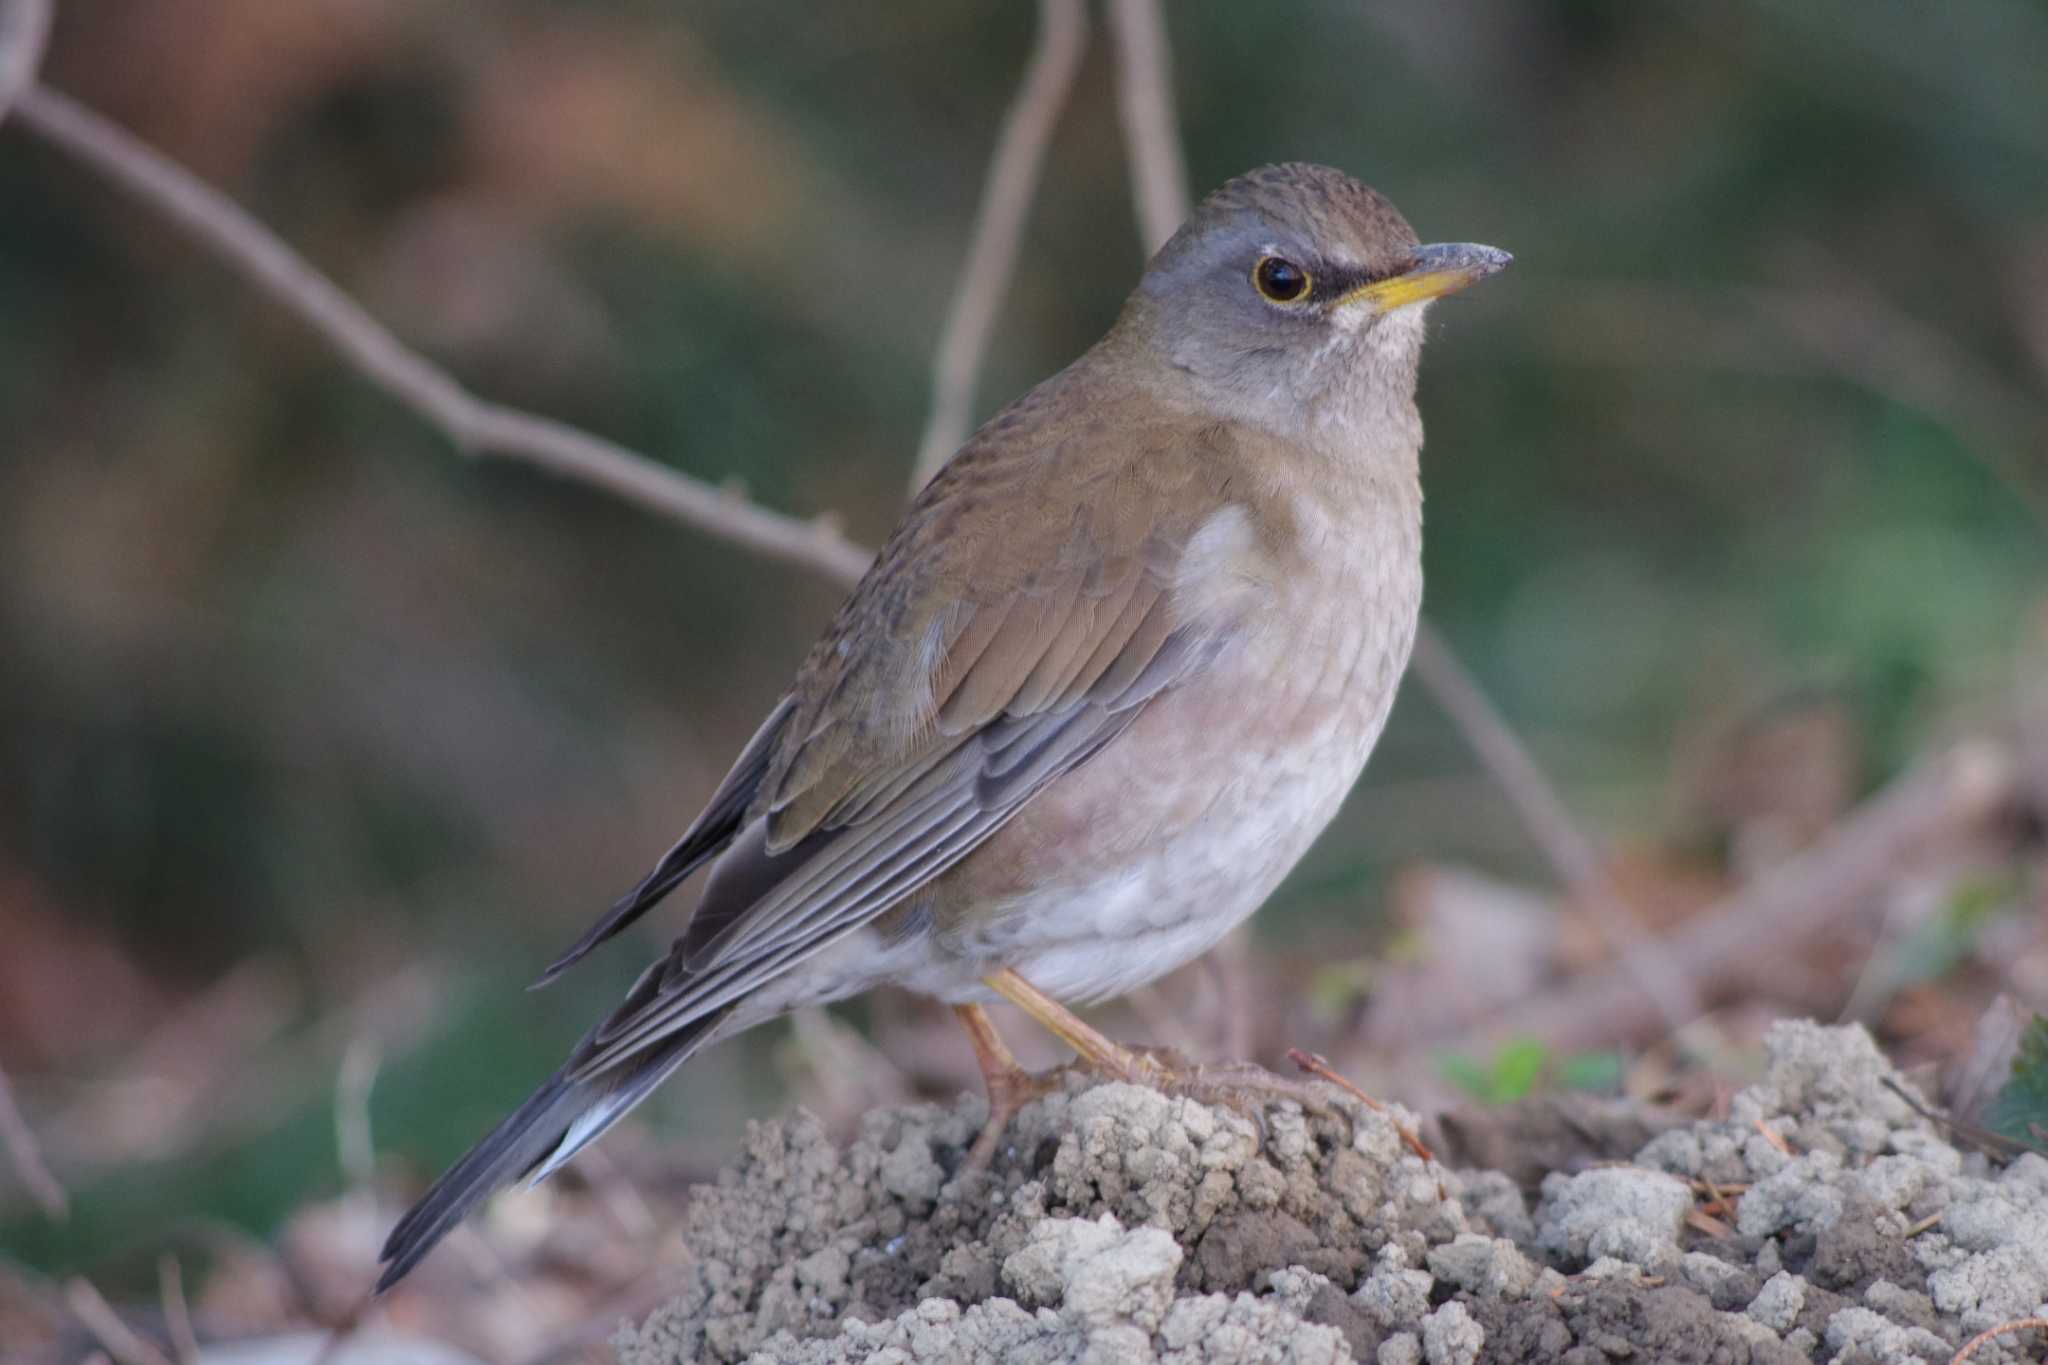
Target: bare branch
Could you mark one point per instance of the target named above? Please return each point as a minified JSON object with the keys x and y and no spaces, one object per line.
{"x":998,"y":230}
{"x":355,"y":1149}
{"x":1159,"y":172}
{"x":170,"y":1279}
{"x":1543,"y":814}
{"x":2003,"y":1329}
{"x":475,"y":426}
{"x":1836,"y":325}
{"x":27,"y":1157}
{"x":105,"y":1324}
{"x":1851,"y":327}
{"x":24,"y":34}
{"x":1803,"y":900}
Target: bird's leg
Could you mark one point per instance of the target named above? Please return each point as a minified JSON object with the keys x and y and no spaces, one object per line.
{"x":1097,"y":1051}
{"x":1010,"y":1086}
{"x":1240,"y":1087}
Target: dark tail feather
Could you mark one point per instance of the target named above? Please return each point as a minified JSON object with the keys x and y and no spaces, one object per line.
{"x":557,"y":1121}
{"x":518,"y":1144}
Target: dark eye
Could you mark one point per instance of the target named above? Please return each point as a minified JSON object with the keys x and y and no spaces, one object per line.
{"x":1280,"y":280}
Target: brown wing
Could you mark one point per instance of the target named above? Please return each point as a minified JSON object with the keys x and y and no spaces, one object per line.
{"x":1020,"y":619}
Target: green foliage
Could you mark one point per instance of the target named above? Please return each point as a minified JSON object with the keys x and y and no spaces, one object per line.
{"x":2020,"y":1110}
{"x":1510,"y":1075}
{"x":1523,"y":1066}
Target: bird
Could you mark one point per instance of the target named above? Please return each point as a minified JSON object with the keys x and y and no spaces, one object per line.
{"x":1109,"y":677}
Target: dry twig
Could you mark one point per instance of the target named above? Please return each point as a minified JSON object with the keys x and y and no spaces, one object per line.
{"x":1773,"y":1137}
{"x":1319,"y":1066}
{"x":475,"y":425}
{"x":27,"y":1157}
{"x":1927,"y":1224}
{"x":105,"y":1324}
{"x":24,"y":34}
{"x":1570,"y":851}
{"x":998,"y":229}
{"x":1707,"y":1225}
{"x":1992,"y":1144}
{"x":1159,"y":173}
{"x":1840,"y":328}
{"x":170,"y":1278}
{"x":1802,"y":900}
{"x":2004,"y":1329}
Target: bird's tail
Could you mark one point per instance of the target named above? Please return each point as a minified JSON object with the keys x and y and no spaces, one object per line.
{"x":531,"y":1143}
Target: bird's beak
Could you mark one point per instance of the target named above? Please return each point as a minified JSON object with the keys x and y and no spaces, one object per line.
{"x":1436,"y":270}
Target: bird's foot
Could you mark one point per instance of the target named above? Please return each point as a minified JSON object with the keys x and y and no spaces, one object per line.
{"x":1240,"y":1087}
{"x":1008,"y":1092}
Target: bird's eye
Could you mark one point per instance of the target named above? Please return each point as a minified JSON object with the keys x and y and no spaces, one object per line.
{"x":1280,"y":280}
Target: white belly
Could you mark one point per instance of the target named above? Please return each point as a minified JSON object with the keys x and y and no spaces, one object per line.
{"x":1284,"y":757}
{"x":1110,"y":933}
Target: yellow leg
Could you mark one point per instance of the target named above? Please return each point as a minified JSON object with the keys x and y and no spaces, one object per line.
{"x":989,"y":1048}
{"x":1010,"y":1086}
{"x":1244,"y":1088}
{"x":1095,"y":1049}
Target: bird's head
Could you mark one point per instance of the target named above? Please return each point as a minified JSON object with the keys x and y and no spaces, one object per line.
{"x":1294,"y":295}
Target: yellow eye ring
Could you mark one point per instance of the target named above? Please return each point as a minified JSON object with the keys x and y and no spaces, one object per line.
{"x":1280,"y":280}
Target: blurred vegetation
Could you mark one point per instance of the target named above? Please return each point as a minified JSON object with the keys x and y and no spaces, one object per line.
{"x":1754,"y":429}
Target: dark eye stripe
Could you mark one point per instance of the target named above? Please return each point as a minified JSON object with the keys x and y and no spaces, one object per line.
{"x":1335,"y":284}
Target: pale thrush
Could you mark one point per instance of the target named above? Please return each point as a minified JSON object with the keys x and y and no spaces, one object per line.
{"x":1105,"y":683}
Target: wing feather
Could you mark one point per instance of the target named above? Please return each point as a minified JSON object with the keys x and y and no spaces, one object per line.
{"x":707,"y":836}
{"x":1012,"y":627}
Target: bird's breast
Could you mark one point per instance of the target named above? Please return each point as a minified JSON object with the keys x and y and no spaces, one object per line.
{"x":1143,"y":858}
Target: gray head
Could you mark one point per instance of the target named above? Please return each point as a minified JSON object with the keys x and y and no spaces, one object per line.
{"x":1294,"y":295}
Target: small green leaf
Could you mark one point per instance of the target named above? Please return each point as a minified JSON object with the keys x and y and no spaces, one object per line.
{"x":2020,"y":1110}
{"x":1516,"y":1069}
{"x":1511,"y":1075}
{"x":1467,"y":1075}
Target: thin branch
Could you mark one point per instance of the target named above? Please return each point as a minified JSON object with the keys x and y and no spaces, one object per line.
{"x":2003,"y":1329}
{"x":998,"y":230}
{"x":1159,"y":172}
{"x":1570,"y":851}
{"x":1794,"y":904}
{"x":27,"y":1157}
{"x":107,"y":1328}
{"x":24,"y":36}
{"x":1849,"y":325}
{"x":1838,"y":326}
{"x":170,"y":1278}
{"x":355,"y":1149}
{"x":1315,"y":1064}
{"x":476,"y":426}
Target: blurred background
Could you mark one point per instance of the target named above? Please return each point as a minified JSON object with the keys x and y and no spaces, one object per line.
{"x":317,"y":741}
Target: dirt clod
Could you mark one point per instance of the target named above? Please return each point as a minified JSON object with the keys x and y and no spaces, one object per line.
{"x":1119,"y":1224}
